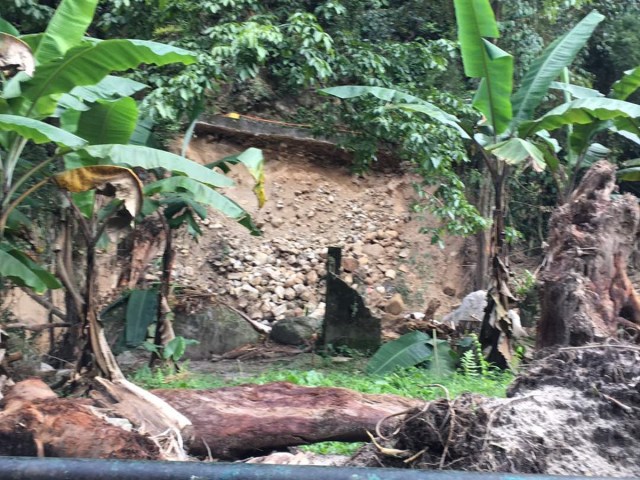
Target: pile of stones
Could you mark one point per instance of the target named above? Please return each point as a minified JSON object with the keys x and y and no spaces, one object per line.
{"x":281,"y":274}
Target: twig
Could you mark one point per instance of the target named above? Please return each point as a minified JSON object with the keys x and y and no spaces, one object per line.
{"x":256,"y":325}
{"x":393,"y":452}
{"x":206,"y":445}
{"x":413,"y":458}
{"x":602,"y":345}
{"x":397,"y":414}
{"x":59,"y":359}
{"x":35,"y":328}
{"x":452,"y":416}
{"x":626,"y":408}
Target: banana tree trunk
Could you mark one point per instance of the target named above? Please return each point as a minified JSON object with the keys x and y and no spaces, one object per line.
{"x":496,"y":331}
{"x":148,"y":413}
{"x":483,"y":238}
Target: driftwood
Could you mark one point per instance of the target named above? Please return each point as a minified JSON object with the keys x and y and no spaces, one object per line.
{"x":586,"y":295}
{"x":34,"y":422}
{"x":236,"y":422}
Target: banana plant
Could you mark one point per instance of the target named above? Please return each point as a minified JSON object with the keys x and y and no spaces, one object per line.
{"x":61,"y":77}
{"x":509,"y":135}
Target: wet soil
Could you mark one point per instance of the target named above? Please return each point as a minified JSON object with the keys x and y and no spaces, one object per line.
{"x":574,"y":412}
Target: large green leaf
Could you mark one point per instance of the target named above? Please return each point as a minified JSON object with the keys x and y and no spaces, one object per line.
{"x":109,"y":122}
{"x":6,"y":27}
{"x":408,"y":350}
{"x":17,"y":221}
{"x":39,"y":132}
{"x":400,"y":99}
{"x":65,"y":29}
{"x":443,"y":361}
{"x":435,"y":113}
{"x":109,"y":88}
{"x":628,"y":135}
{"x":476,"y":22}
{"x":14,"y":265}
{"x":176,"y":347}
{"x":149,"y":158}
{"x":631,"y":171}
{"x":48,"y":279}
{"x":516,"y":151}
{"x":628,"y":124}
{"x":92,"y":61}
{"x":576,"y":91}
{"x":386,"y":94}
{"x":584,"y":111}
{"x":493,"y":97}
{"x":142,"y":134}
{"x":548,"y":66}
{"x":595,"y":152}
{"x":142,"y":311}
{"x":201,"y":193}
{"x":482,"y":59}
{"x":628,"y":84}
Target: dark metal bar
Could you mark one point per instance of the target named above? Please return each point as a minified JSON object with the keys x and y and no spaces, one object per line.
{"x":29,"y":468}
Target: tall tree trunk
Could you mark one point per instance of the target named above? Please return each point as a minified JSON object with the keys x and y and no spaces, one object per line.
{"x":496,"y":330}
{"x":586,"y":295}
{"x":483,"y":238}
{"x":164,"y":326}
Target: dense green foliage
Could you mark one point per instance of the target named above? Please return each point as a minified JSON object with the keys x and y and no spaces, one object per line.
{"x":270,"y":58}
{"x":58,"y":91}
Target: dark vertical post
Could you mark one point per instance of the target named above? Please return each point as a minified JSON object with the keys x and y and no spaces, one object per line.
{"x":334,"y":260}
{"x":347,"y":321}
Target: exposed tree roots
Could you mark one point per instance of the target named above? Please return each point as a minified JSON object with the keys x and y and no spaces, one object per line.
{"x":572,"y":412}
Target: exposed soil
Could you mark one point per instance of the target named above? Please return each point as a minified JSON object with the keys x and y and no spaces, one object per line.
{"x":571,"y":413}
{"x":312,"y":204}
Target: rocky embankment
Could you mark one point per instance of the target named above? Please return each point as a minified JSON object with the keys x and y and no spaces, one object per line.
{"x":310,"y":207}
{"x":283,"y":277}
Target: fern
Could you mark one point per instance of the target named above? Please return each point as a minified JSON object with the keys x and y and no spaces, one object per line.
{"x":469,"y":365}
{"x":472,"y":361}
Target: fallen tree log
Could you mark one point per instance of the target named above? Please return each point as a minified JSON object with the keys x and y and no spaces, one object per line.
{"x":35,"y":422}
{"x":236,"y":422}
{"x":229,"y":423}
{"x":586,"y":295}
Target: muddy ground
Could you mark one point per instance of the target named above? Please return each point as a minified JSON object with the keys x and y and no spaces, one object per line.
{"x":574,"y":412}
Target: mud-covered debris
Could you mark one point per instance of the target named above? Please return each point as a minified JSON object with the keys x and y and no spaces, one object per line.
{"x":574,"y":412}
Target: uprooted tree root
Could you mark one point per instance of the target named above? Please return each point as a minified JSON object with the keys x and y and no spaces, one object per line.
{"x":572,"y":412}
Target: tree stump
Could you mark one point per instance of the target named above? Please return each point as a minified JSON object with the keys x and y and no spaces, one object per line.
{"x":586,"y":295}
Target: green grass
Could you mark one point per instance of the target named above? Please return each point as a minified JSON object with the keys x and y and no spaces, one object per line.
{"x":413,"y":382}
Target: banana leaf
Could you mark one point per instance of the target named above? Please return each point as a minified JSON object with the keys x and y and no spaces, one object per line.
{"x":407,"y":351}
{"x":548,"y":66}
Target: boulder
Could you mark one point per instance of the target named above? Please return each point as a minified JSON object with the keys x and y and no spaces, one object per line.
{"x":470,"y":311}
{"x":468,"y":316}
{"x":295,"y":331}
{"x":395,"y":305}
{"x":217,"y":328}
